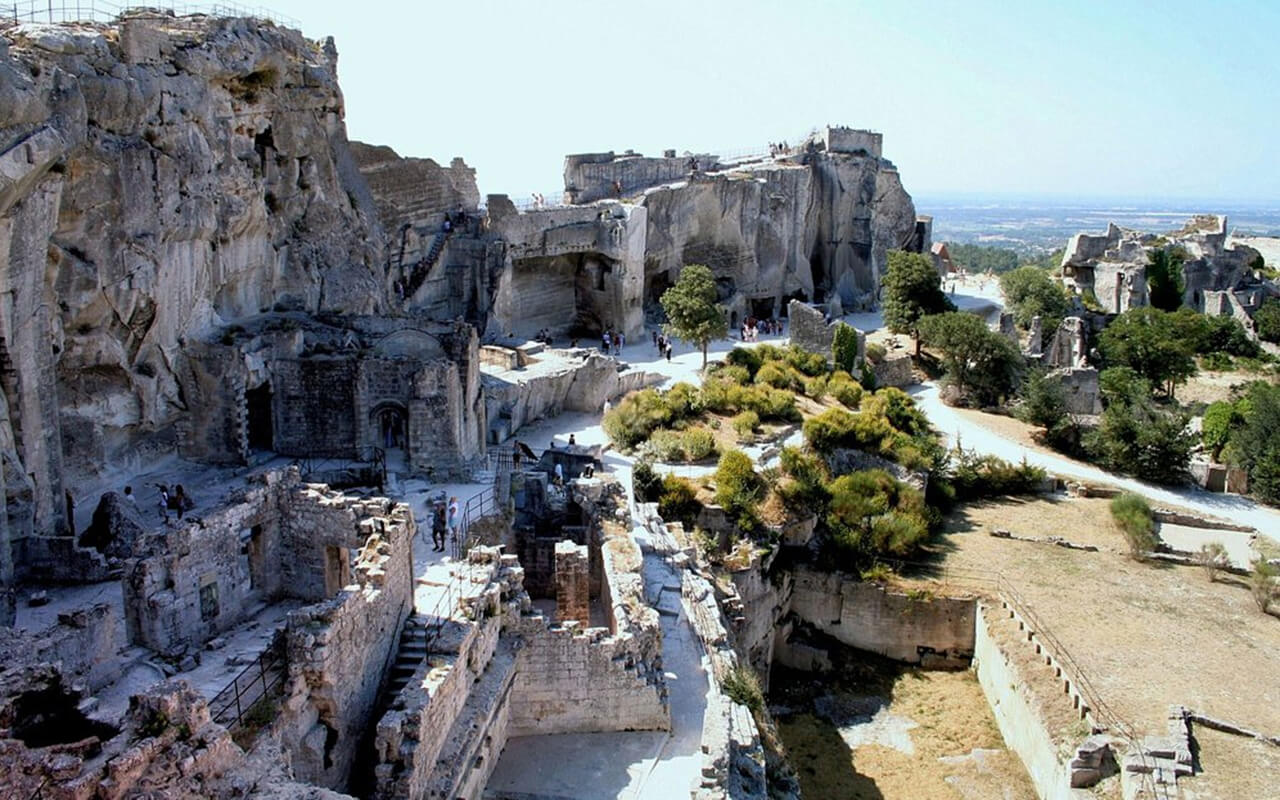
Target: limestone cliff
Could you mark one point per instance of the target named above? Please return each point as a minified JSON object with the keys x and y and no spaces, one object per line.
{"x":159,"y":177}
{"x":808,"y":226}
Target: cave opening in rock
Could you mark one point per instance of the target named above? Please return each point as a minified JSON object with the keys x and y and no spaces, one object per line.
{"x":50,"y":716}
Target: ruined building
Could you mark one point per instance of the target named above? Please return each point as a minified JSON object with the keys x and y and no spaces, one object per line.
{"x":1110,"y":269}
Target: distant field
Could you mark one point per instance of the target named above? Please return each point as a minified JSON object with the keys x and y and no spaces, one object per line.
{"x":1037,"y":227}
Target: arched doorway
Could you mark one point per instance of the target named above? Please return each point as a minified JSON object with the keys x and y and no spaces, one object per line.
{"x":390,"y":426}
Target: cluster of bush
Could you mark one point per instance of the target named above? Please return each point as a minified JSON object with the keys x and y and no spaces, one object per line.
{"x":886,"y":423}
{"x":754,"y":386}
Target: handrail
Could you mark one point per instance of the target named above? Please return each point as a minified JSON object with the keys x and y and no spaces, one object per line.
{"x":230,"y":706}
{"x":103,"y":11}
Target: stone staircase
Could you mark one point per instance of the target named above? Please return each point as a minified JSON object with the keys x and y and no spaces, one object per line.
{"x":422,"y":269}
{"x":410,"y":655}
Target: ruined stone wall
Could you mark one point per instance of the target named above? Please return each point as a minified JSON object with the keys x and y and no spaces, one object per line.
{"x":277,"y":538}
{"x":338,"y":651}
{"x":454,"y":707}
{"x":414,"y":191}
{"x":567,"y":265}
{"x":932,"y":631}
{"x":851,"y":140}
{"x":161,"y":175}
{"x":589,"y":177}
{"x":84,"y":644}
{"x":301,"y":389}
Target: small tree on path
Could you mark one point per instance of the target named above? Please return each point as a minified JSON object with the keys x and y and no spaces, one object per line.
{"x":692,"y":312}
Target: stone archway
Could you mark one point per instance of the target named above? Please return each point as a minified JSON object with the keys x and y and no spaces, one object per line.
{"x":390,"y":424}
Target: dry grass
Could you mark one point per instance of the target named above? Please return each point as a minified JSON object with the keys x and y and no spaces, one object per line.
{"x":953,"y":720}
{"x":1146,"y":635}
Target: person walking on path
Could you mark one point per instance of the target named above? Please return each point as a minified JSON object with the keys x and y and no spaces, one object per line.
{"x":437,"y":527}
{"x":455,"y":519}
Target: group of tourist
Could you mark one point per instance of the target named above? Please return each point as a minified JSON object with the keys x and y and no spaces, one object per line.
{"x":544,"y":336}
{"x":178,"y":501}
{"x":663,"y":344}
{"x":444,"y":520}
{"x":778,"y":148}
{"x":752,"y":328}
{"x":612,"y":341}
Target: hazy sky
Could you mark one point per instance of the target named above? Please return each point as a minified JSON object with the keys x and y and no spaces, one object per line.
{"x":1162,"y":99}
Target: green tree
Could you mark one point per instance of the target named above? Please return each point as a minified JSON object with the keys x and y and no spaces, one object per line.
{"x":983,"y":364}
{"x":911,"y":290}
{"x":1266,"y":320}
{"x":1147,"y":341}
{"x":844,"y":347}
{"x":692,"y":312}
{"x":738,"y":488}
{"x":1255,"y":441}
{"x":1220,"y":419}
{"x":1164,"y":278}
{"x":1135,"y":436}
{"x":1044,"y":403}
{"x":1030,"y":292}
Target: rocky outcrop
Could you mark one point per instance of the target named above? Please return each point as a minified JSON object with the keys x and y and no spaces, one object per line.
{"x":159,"y":177}
{"x":808,"y":227}
{"x":1111,"y":268}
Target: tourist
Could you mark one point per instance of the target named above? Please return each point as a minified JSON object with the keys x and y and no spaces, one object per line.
{"x":605,"y":342}
{"x":437,"y":527}
{"x":181,"y":501}
{"x":130,"y":499}
{"x":559,"y":477}
{"x":573,"y":440}
{"x":515,"y":456}
{"x":655,"y":339}
{"x":552,"y":446}
{"x":622,"y":341}
{"x":668,"y":351}
{"x":455,"y":518}
{"x":164,"y":502}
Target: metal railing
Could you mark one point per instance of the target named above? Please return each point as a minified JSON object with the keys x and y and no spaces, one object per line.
{"x":253,"y":686}
{"x":103,"y":11}
{"x":372,"y":456}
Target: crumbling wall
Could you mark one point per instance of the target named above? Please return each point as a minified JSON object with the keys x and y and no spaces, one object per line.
{"x":931,"y":631}
{"x":339,"y":650}
{"x":589,"y":177}
{"x":414,"y":191}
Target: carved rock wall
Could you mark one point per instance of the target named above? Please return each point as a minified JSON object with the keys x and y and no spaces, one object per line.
{"x":158,"y":177}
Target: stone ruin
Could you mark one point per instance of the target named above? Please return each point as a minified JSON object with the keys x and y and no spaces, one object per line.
{"x":1067,"y":357}
{"x":1218,"y":278}
{"x":202,"y":276}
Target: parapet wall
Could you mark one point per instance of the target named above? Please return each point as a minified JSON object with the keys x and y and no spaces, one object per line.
{"x":590,"y":177}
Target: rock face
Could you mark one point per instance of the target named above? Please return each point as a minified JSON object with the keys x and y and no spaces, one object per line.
{"x":158,"y":178}
{"x":1112,"y":267}
{"x":808,"y":227}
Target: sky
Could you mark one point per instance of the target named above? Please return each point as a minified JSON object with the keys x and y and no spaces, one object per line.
{"x":1159,"y":100}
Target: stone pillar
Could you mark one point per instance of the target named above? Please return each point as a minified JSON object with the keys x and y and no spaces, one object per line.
{"x":573,"y":597}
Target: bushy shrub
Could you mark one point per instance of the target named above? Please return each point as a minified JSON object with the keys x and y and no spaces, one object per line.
{"x":876,"y":352}
{"x":738,"y":488}
{"x":974,"y":476}
{"x":646,"y":482}
{"x":1264,"y":583}
{"x":749,"y":358}
{"x":733,"y":374}
{"x":1133,"y":516}
{"x":666,"y":445}
{"x":683,"y":401}
{"x":1136,"y":436}
{"x":804,"y":488}
{"x":828,"y":430}
{"x":741,"y":685}
{"x":871,"y":514}
{"x":844,"y":389}
{"x":1212,"y":557}
{"x":844,"y":347}
{"x":638,"y":414}
{"x":745,"y":424}
{"x":698,"y":443}
{"x":900,"y":410}
{"x":816,"y":388}
{"x":806,"y":363}
{"x":1220,"y":419}
{"x":678,"y":501}
{"x":774,"y":374}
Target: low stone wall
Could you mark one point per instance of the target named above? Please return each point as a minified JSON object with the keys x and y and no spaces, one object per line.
{"x":933,"y":631}
{"x":1023,"y":729}
{"x":85,"y":644}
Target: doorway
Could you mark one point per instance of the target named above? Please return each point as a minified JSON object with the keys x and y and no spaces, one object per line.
{"x":392,"y":428}
{"x":258,"y":407}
